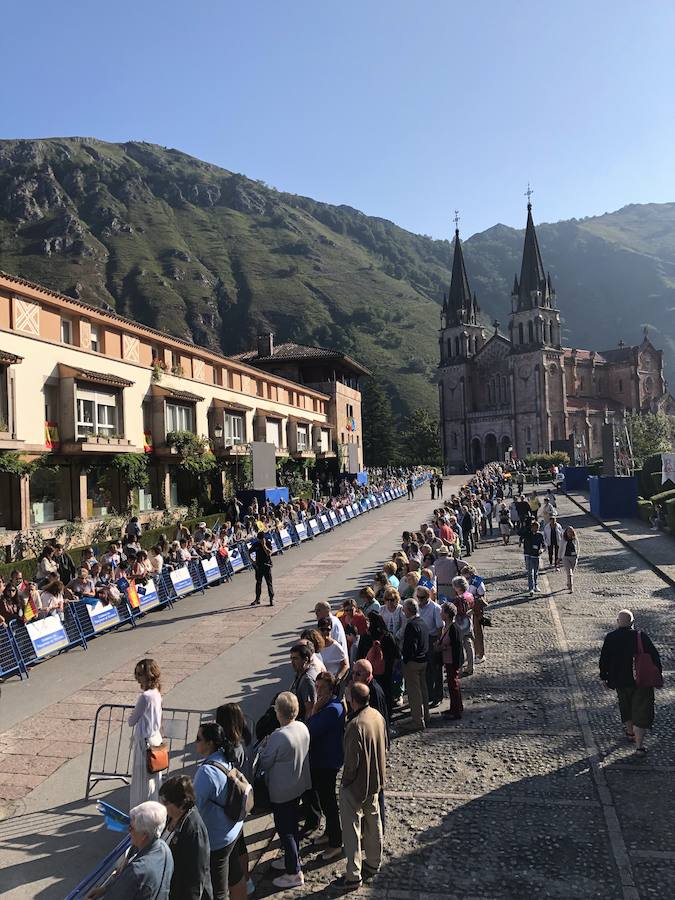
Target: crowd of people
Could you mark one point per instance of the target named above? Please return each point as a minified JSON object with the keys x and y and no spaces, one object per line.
{"x":105,"y":575}
{"x":322,"y":745}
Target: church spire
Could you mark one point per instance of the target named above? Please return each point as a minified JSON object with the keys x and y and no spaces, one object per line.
{"x":534,"y":288}
{"x":461,"y":305}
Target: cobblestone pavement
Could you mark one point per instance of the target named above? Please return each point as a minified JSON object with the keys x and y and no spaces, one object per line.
{"x":535,"y":792}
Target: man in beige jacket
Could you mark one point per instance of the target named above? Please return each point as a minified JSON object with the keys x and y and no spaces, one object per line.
{"x":362,"y":780}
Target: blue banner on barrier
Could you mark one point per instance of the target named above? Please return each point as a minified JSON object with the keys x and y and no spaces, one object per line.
{"x":211,"y":570}
{"x":333,"y":517}
{"x":47,"y":636}
{"x":182,"y":581}
{"x":324,"y":521}
{"x":102,"y":616}
{"x":313,"y":527}
{"x":301,"y":529}
{"x":285,"y":537}
{"x":341,"y":515}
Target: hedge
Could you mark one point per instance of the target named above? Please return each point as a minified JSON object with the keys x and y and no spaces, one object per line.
{"x":645,"y":509}
{"x":149,"y":538}
{"x":663,"y":497}
{"x":547,"y":460}
{"x":670,"y":515}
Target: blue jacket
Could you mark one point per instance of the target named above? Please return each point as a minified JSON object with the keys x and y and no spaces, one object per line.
{"x":326,"y":729}
{"x":147,"y":875}
{"x":211,"y":790}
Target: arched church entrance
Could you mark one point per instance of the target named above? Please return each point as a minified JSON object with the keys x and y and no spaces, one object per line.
{"x":491,"y":451}
{"x":476,"y":453}
{"x":506,"y":443}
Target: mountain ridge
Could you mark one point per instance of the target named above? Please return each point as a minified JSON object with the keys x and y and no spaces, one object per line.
{"x":214,"y":257}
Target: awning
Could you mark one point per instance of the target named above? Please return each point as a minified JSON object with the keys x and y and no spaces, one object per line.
{"x":228,"y":404}
{"x":93,"y":377}
{"x":8,"y":359}
{"x":159,"y":390}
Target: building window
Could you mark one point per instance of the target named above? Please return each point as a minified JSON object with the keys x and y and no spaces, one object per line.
{"x":325,"y":440}
{"x":96,"y":414}
{"x":449,"y":348}
{"x":179,"y":418}
{"x":521,"y":337}
{"x":302,"y":437}
{"x":66,"y":331}
{"x":454,"y":440}
{"x":273,"y":432}
{"x":457,"y":346}
{"x":620,"y":386}
{"x":530,"y":332}
{"x":4,"y":399}
{"x":95,"y":345}
{"x":233,"y":429}
{"x":49,"y":495}
{"x":528,"y":434}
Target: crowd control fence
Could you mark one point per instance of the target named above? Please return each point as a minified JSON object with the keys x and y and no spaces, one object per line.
{"x":23,"y":646}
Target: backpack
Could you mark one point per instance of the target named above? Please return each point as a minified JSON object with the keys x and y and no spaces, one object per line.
{"x":239,"y":801}
{"x":375,"y":657}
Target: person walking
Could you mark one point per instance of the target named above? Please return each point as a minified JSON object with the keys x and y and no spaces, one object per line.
{"x":570,"y":555}
{"x":285,"y":761}
{"x":533,"y":547}
{"x":504,"y":519}
{"x":414,"y":654}
{"x":188,"y":840}
{"x":363,"y":779}
{"x":262,"y":566}
{"x":146,"y":720}
{"x":326,"y":730}
{"x":553,"y":538}
{"x":618,"y":671}
{"x":211,"y":786}
{"x":451,"y":648}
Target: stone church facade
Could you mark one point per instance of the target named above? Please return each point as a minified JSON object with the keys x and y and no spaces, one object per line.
{"x":524,"y":393}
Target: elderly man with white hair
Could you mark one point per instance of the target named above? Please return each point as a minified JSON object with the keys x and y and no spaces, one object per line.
{"x":148,"y":869}
{"x":621,"y":670}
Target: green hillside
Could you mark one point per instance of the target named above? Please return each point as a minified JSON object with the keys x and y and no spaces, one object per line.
{"x":215,"y":257}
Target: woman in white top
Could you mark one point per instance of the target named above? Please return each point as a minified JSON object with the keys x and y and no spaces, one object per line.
{"x":333,"y":654}
{"x":146,"y":720}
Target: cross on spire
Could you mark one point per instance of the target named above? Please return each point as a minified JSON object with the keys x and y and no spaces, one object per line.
{"x":456,"y":221}
{"x":528,"y":194}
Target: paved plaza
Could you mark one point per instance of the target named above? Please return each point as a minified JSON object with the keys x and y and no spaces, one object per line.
{"x":533,"y":793}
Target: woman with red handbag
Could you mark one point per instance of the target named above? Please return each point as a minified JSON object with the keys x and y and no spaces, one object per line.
{"x":149,"y":753}
{"x":631,"y":665}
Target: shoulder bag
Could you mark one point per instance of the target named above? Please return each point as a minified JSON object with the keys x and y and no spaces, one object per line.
{"x":647,"y":673}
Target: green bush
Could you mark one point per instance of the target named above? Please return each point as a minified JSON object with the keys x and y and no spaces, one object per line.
{"x":645,"y":509}
{"x":663,"y":496}
{"x":649,"y":477}
{"x":670,"y":515}
{"x":595,"y":468}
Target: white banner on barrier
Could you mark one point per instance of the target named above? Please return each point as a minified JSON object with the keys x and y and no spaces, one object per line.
{"x":313,"y":527}
{"x":182,"y":581}
{"x":103,"y":615}
{"x":211,"y":570}
{"x":148,"y":597}
{"x":47,"y":635}
{"x":301,"y":529}
{"x":285,"y":537}
{"x":236,"y":560}
{"x":326,"y":524}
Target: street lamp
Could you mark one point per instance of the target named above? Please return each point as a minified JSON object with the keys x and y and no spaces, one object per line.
{"x":218,"y":432}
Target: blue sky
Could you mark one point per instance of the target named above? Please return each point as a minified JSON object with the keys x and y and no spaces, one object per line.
{"x":406,"y":109}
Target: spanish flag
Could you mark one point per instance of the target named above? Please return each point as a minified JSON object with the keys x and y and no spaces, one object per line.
{"x":29,"y":611}
{"x":132,"y":594}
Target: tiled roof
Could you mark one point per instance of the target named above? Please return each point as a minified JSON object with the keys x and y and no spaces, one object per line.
{"x":10,"y":358}
{"x":597,"y":404}
{"x":102,"y":378}
{"x":583,"y":354}
{"x":620,"y":354}
{"x":292,"y":352}
{"x":182,"y":395}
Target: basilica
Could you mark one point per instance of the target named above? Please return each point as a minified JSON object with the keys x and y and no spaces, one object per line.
{"x":503,"y":397}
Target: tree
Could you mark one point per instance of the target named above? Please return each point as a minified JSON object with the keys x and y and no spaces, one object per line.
{"x":421,"y":445}
{"x":650,"y":433}
{"x":380,"y":439}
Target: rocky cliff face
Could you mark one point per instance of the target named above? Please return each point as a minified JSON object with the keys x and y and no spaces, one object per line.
{"x":214,"y":257}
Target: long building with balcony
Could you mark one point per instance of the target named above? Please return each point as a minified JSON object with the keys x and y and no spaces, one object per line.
{"x":82,"y":384}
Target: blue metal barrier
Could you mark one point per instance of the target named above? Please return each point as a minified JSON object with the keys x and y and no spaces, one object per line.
{"x":104,"y":619}
{"x":71,"y":635}
{"x":10,"y":661}
{"x":101,"y":872}
{"x":194,"y":567}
